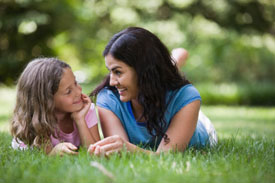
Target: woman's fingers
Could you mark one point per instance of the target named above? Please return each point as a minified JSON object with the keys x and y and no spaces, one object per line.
{"x":103,"y":142}
{"x":107,"y":140}
{"x":97,"y":150}
{"x":111,"y":147}
{"x":107,"y":146}
{"x":112,"y":152}
{"x":91,"y":149}
{"x":104,"y":151}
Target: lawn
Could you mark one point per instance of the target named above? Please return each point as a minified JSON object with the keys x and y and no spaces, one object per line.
{"x":245,"y":153}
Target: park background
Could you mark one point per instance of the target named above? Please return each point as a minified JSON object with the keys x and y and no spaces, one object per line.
{"x":231,"y":45}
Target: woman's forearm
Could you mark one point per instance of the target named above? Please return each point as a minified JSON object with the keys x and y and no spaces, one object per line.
{"x":133,"y":148}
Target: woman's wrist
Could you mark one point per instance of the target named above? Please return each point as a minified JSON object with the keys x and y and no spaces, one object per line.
{"x":134,"y":148}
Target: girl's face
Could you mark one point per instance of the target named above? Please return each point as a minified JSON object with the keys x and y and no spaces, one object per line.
{"x":123,"y":77}
{"x":68,"y":98}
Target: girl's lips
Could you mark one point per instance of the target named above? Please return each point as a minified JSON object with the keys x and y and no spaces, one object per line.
{"x":77,"y":102}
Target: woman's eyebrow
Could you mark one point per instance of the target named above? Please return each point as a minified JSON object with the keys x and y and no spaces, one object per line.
{"x":116,"y":67}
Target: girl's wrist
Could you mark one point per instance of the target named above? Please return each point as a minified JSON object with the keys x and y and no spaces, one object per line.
{"x":80,"y":121}
{"x":77,"y":118}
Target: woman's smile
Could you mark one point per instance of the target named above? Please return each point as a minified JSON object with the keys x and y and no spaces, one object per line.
{"x":121,"y":91}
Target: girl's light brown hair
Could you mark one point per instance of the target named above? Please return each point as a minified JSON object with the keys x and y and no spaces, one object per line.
{"x":33,"y":120}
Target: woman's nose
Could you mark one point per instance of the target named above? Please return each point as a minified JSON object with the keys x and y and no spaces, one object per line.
{"x":113,"y":80}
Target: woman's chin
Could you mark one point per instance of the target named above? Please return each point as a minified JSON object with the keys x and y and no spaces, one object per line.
{"x":124,"y":99}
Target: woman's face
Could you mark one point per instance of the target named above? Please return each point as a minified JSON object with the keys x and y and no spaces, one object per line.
{"x":123,"y":77}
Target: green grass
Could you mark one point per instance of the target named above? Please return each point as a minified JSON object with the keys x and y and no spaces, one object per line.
{"x":237,"y":93}
{"x":245,"y":153}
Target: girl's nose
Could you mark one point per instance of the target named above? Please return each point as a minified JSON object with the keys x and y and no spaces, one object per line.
{"x":79,"y":89}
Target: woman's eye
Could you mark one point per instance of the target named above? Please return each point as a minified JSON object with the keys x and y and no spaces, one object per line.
{"x":117,"y":72}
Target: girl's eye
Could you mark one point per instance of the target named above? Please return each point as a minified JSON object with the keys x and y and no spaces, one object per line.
{"x":68,"y":92}
{"x":76,"y":83}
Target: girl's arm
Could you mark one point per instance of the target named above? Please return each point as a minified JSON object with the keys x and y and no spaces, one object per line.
{"x":87,"y":135}
{"x":180,"y":131}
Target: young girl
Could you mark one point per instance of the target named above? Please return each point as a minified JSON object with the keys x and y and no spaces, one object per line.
{"x":51,"y":111}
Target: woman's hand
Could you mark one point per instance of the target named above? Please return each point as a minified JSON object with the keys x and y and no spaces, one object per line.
{"x":80,"y":115}
{"x":108,"y":146}
{"x":64,"y":148}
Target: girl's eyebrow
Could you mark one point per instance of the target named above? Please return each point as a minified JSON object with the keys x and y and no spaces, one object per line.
{"x":70,"y":86}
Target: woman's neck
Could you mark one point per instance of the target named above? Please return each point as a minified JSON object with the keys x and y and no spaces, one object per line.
{"x":137,"y":110}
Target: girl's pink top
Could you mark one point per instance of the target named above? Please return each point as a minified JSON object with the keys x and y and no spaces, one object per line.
{"x":74,"y":138}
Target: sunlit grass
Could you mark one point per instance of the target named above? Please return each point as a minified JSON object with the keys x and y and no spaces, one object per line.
{"x":232,"y":160}
{"x":252,"y":121}
{"x":245,"y":153}
{"x":7,"y":102}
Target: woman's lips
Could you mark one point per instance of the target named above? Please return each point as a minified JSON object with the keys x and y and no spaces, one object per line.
{"x":121,"y":91}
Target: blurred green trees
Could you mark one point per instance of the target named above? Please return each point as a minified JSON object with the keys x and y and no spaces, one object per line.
{"x":228,"y":40}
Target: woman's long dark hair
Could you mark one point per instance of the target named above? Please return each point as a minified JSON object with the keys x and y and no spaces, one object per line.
{"x":156,"y":72}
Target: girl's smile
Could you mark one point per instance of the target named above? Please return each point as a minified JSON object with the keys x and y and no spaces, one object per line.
{"x":79,"y":101}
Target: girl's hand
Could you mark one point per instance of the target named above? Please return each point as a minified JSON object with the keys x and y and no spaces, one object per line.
{"x":80,"y":115}
{"x":64,"y":148}
{"x":107,"y":146}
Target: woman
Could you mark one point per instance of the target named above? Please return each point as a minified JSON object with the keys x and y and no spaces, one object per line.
{"x":144,"y":101}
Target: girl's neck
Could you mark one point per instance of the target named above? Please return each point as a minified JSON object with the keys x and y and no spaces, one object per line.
{"x":65,"y":122}
{"x":61,"y":116}
{"x":137,"y":110}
